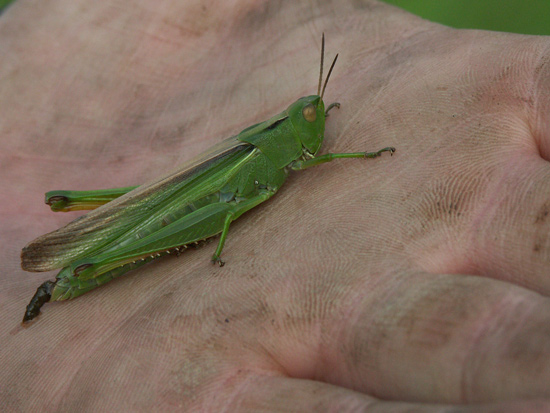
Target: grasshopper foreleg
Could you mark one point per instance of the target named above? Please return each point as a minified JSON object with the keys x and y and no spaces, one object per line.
{"x":329,"y":157}
{"x":332,"y":105}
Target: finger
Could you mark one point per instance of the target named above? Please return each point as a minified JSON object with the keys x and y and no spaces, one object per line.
{"x":511,"y":235}
{"x":281,"y":394}
{"x":430,"y":338}
{"x":541,"y":98}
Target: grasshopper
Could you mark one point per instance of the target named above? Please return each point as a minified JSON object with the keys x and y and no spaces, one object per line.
{"x":135,"y":225}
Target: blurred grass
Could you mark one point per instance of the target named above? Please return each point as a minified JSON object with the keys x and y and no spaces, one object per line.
{"x":4,"y":3}
{"x":517,"y":16}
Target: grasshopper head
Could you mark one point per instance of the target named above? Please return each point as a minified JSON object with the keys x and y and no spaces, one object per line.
{"x":307,"y":115}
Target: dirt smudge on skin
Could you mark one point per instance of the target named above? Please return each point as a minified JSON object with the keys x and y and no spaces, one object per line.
{"x":543,"y":213}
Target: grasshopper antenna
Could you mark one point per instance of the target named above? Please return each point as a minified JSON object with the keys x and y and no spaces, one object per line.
{"x":329,"y":72}
{"x":322,"y":59}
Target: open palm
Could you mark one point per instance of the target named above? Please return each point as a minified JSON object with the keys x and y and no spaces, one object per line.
{"x":418,"y":278}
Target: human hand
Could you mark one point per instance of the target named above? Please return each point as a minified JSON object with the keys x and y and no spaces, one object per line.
{"x":417,"y":278}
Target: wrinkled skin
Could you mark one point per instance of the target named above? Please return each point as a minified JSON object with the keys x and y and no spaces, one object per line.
{"x":419,"y":278}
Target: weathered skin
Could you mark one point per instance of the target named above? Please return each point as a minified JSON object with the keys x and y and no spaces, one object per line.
{"x":421,"y":279}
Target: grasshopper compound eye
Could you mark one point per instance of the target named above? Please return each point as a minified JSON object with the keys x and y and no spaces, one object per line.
{"x":309,"y":112}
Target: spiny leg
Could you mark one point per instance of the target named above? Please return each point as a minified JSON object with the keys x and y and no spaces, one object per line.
{"x":201,"y":224}
{"x":198,"y":225}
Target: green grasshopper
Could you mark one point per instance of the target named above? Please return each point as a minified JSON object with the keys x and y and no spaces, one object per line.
{"x":134,"y":225}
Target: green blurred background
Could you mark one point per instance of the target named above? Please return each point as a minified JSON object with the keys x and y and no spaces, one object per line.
{"x":519,"y":16}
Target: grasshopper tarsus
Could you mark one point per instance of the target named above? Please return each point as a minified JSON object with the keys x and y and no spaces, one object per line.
{"x":389,"y":149}
{"x":216,"y":259}
{"x":42,"y":296}
{"x":376,"y":154}
{"x":332,"y":105}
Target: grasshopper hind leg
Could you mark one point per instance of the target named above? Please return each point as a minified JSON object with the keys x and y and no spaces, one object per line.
{"x":66,"y":287}
{"x":42,"y":296}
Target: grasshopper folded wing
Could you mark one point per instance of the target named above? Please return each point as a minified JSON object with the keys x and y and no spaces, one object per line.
{"x":91,"y":232}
